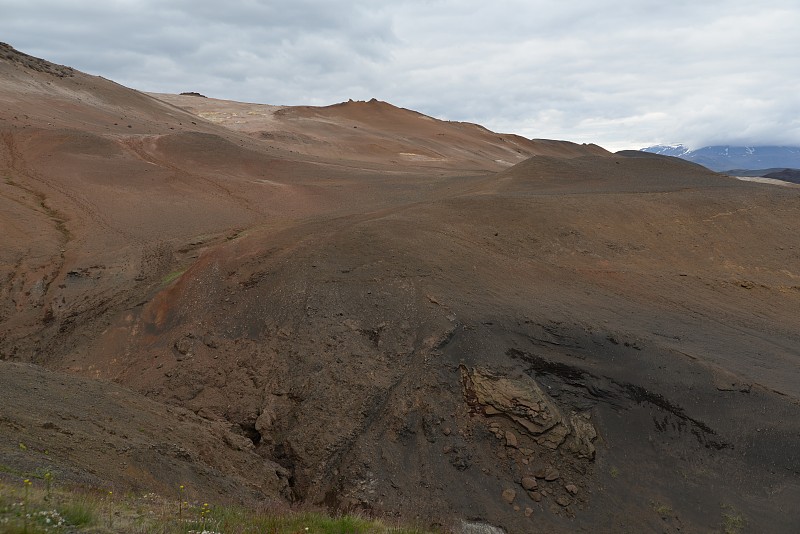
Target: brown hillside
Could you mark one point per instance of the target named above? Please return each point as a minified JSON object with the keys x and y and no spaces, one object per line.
{"x":392,"y":320}
{"x":376,"y":132}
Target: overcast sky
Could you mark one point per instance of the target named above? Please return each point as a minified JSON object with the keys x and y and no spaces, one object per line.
{"x":620,"y":73}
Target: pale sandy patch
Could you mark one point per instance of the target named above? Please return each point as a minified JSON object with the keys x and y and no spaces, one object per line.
{"x":763,"y":180}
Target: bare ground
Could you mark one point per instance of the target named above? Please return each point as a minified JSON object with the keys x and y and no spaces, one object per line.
{"x":581,"y":342}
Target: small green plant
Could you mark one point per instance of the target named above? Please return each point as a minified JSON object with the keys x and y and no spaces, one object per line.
{"x":109,"y":508}
{"x":614,"y":472}
{"x":77,"y":513}
{"x":204,"y":512}
{"x":48,"y":485}
{"x":180,"y":502}
{"x":27,"y":485}
{"x":661,"y":509}
{"x":732,"y":521}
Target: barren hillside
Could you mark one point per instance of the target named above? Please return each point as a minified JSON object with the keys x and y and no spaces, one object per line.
{"x":365,"y":308}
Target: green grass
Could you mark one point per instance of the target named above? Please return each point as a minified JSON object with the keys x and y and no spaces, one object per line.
{"x":230,"y":519}
{"x":78,"y":513}
{"x":10,"y":470}
{"x":67,"y":509}
{"x":174,"y":275}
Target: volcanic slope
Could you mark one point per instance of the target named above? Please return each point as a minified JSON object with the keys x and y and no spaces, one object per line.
{"x":593,"y":343}
{"x":377,"y":133}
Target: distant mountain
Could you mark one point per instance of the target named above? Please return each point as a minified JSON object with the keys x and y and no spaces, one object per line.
{"x":668,"y":150}
{"x":720,"y":158}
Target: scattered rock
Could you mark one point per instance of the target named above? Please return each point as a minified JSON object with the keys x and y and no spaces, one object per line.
{"x":461,"y":461}
{"x":528,"y":511}
{"x":237,"y":442}
{"x":433,"y":300}
{"x":583,"y":436}
{"x":184,"y":345}
{"x":563,"y":500}
{"x":273,"y":406}
{"x":509,"y":495}
{"x":285,"y":332}
{"x":572,"y":488}
{"x":552,"y":474}
{"x":468,"y":527}
{"x":554,"y":438}
{"x":727,"y":381}
{"x":511,"y":439}
{"x":210,"y":341}
{"x":529,"y":483}
{"x":535,"y":495}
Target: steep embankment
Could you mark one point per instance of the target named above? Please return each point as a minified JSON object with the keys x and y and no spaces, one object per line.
{"x":100,"y":434}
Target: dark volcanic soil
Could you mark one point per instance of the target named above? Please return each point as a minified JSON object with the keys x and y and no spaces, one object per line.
{"x":582,"y":342}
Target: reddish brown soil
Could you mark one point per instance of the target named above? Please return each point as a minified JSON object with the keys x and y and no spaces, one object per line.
{"x":377,"y":133}
{"x":390,"y":319}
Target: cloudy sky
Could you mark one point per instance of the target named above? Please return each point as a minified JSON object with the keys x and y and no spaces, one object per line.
{"x":620,"y":73}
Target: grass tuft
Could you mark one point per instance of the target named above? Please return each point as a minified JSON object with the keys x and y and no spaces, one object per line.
{"x":78,"y":513}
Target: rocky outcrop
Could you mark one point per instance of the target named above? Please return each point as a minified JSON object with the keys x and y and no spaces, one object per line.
{"x":8,"y":53}
{"x":523,"y":401}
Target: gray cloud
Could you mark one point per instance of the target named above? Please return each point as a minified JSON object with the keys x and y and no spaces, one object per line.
{"x":622,"y":73}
